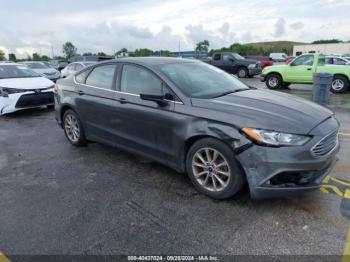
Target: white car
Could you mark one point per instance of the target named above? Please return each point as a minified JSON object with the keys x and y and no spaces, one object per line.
{"x":337,"y":60}
{"x":278,"y":57}
{"x":74,"y":67}
{"x":44,"y":69}
{"x":22,"y":88}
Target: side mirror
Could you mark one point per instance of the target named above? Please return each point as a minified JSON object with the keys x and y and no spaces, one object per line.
{"x":159,"y":99}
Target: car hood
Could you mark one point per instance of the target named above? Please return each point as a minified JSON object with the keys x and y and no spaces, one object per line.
{"x":26,"y":83}
{"x":45,"y":71}
{"x":265,"y":109}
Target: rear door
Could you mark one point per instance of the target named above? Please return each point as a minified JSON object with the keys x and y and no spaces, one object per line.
{"x":96,"y":101}
{"x":218,"y":62}
{"x":143,"y":125}
{"x":300,"y":70}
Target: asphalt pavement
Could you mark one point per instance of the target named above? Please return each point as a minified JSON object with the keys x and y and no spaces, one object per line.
{"x":58,"y":199}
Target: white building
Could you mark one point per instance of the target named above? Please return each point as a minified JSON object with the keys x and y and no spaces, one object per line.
{"x":326,"y":49}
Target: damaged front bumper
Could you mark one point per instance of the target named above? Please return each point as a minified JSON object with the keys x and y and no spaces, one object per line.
{"x":279,"y":171}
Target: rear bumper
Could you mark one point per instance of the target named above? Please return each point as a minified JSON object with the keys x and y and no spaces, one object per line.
{"x":275,"y":172}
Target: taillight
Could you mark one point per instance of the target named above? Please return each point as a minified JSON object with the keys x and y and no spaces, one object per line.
{"x":55,"y":88}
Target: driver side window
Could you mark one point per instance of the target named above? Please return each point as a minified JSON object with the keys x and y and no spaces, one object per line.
{"x":307,"y":60}
{"x":137,"y":80}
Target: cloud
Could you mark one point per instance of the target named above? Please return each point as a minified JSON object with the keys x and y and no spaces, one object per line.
{"x":104,"y":25}
{"x":297,"y":25}
{"x":280,"y":27}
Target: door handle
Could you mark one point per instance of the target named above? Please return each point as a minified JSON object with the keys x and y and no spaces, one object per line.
{"x":123,"y":100}
{"x":80,"y":92}
{"x":309,"y":69}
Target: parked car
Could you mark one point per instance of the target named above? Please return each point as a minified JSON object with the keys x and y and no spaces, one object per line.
{"x":301,"y":71}
{"x":198,"y":119}
{"x":289,"y":59}
{"x":337,"y":60}
{"x":74,"y":67}
{"x":278,"y":57}
{"x":22,"y":88}
{"x":44,"y":69}
{"x":235,"y":64}
{"x":264,"y":60}
{"x":58,"y":64}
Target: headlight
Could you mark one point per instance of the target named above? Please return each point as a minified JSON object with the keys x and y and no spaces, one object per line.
{"x":4,"y":91}
{"x":252,"y":66}
{"x":273,"y":138}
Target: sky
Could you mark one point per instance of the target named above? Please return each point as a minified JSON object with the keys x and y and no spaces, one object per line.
{"x":42,"y":26}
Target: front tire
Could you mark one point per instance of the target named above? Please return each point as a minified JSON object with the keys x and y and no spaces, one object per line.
{"x":73,"y":128}
{"x":274,"y":81}
{"x":213,"y":170}
{"x":339,"y":84}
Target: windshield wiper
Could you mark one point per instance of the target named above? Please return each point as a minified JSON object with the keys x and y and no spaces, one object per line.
{"x":231,"y":92}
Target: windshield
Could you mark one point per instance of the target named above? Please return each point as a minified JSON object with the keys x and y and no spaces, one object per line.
{"x":37,"y":65}
{"x":16,"y":71}
{"x":237,"y":56}
{"x":201,"y":80}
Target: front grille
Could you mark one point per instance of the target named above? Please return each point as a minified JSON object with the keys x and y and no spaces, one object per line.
{"x":37,"y":99}
{"x":326,"y":145}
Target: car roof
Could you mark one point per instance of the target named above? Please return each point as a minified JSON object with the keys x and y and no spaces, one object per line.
{"x":151,"y":61}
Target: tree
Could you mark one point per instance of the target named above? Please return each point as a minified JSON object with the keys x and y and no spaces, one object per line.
{"x":87,"y":54}
{"x":202,"y":46}
{"x":327,"y":41}
{"x":101,"y":54}
{"x":36,"y":57}
{"x":121,"y":51}
{"x":2,"y":55}
{"x":12,"y":57}
{"x":45,"y":58}
{"x":69,"y":50}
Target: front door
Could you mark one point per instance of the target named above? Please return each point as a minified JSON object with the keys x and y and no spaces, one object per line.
{"x":301,"y":70}
{"x":143,"y":123}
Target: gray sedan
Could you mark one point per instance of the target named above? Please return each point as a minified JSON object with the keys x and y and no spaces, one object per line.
{"x":201,"y":120}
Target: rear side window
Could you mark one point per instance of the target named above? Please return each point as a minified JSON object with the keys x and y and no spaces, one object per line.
{"x":217,"y":57}
{"x":102,"y":76}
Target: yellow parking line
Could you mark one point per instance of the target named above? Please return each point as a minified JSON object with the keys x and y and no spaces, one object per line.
{"x":3,"y":258}
{"x":338,"y":181}
{"x":344,"y":134}
{"x":346,"y":253}
{"x":324,"y":189}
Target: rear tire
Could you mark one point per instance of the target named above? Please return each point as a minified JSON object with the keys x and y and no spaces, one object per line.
{"x":273,"y":81}
{"x":339,"y":84}
{"x":73,"y":128}
{"x":242,"y":72}
{"x":213,"y":169}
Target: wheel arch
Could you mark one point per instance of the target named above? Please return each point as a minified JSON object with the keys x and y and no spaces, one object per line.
{"x":343,"y":75}
{"x":274,"y":73}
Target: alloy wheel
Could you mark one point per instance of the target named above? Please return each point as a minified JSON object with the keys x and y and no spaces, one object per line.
{"x":338,"y":84}
{"x":273,"y":81}
{"x":211,"y":169}
{"x":72,"y":128}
